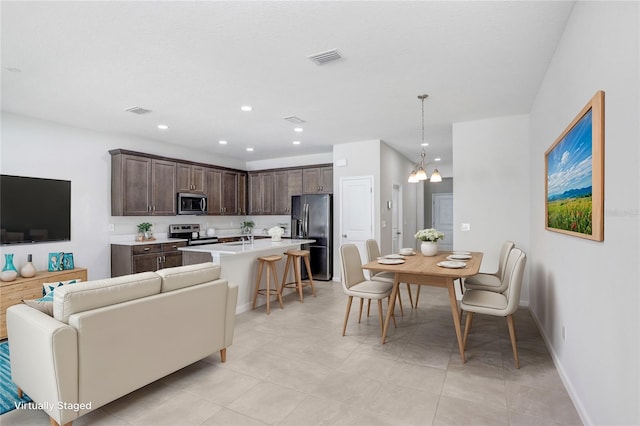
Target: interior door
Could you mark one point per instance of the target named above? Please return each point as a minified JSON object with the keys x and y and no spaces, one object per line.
{"x":356,"y":212}
{"x":442,"y":214}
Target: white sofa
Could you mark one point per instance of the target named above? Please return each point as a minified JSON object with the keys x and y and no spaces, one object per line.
{"x":110,"y":337}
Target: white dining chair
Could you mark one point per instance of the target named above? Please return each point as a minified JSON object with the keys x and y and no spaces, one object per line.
{"x":373,"y":253}
{"x":498,"y":304}
{"x":492,"y":281}
{"x":354,"y":284}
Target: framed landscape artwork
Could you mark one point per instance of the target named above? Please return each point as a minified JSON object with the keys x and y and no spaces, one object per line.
{"x":574,"y":175}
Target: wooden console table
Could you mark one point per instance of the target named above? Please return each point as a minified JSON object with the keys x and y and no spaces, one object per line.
{"x":13,"y":292}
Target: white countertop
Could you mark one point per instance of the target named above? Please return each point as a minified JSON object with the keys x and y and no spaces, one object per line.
{"x":247,"y":248}
{"x":158,"y":240}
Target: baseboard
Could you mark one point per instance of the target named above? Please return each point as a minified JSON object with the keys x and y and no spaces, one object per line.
{"x":582,"y":412}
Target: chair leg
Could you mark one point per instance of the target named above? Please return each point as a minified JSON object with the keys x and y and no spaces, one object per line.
{"x":418,"y":295}
{"x":267,"y":292}
{"x":410,"y":296}
{"x":360,"y":314}
{"x":255,"y":293}
{"x":467,"y":329}
{"x":400,"y":303}
{"x":368,"y":308}
{"x":380,"y":315}
{"x":275,"y":285}
{"x":286,"y":274}
{"x":393,"y":316}
{"x":346,"y":316}
{"x":308,"y":266}
{"x":296,"y":269}
{"x":512,"y":334}
{"x":461,"y":286}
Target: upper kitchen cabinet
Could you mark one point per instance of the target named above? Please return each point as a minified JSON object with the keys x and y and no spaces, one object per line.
{"x":142,"y":185}
{"x":261,"y":186}
{"x":318,"y":180}
{"x":287,"y":183}
{"x":190,"y":177}
{"x":242,"y":193}
{"x":224,"y":192}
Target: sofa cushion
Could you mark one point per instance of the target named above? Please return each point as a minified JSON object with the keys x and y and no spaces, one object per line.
{"x":186,"y":276}
{"x":49,"y":287}
{"x":68,"y":300}
{"x":45,"y":306}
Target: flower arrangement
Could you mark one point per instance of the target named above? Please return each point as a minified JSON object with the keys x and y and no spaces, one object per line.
{"x":247,"y":226}
{"x":429,"y":235}
{"x":276,"y":233}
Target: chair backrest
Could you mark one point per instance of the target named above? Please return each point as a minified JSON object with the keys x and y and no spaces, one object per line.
{"x":352,"y":272}
{"x":513,"y":274}
{"x":507,"y":246}
{"x":373,"y":250}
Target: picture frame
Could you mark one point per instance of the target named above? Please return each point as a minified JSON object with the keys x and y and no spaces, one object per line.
{"x":574,"y":175}
{"x":67,"y":261}
{"x":56,"y":262}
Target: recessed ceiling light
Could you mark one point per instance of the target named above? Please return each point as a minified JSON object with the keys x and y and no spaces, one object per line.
{"x":222,"y":142}
{"x":250,"y":149}
{"x":163,"y":127}
{"x":298,"y":129}
{"x":436,"y":159}
{"x":424,"y":144}
{"x":296,"y":142}
{"x":246,"y":108}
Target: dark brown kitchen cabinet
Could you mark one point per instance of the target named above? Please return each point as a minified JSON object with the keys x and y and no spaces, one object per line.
{"x":287,"y":183}
{"x":142,"y":186}
{"x":132,"y":259}
{"x":242,"y":193}
{"x":190,"y":178}
{"x":213,"y":189}
{"x":261,"y":192}
{"x":230,"y":193}
{"x":318,"y":180}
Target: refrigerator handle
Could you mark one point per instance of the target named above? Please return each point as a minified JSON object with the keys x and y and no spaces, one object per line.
{"x":306,"y":220}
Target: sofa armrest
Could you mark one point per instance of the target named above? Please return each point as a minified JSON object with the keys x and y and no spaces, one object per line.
{"x":44,"y":360}
{"x":232,"y":300}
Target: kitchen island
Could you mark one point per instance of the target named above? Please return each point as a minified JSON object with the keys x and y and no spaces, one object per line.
{"x":239,"y":265}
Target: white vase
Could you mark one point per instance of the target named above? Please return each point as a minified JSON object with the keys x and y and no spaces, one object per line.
{"x":429,"y":248}
{"x":28,"y":270}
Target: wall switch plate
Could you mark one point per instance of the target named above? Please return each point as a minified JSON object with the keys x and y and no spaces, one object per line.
{"x":465,"y":227}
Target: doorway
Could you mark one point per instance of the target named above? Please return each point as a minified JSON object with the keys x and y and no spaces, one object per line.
{"x":396,"y":219}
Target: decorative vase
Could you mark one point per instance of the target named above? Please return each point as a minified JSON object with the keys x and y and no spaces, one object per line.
{"x":9,"y":272}
{"x":28,"y":270}
{"x":429,"y":248}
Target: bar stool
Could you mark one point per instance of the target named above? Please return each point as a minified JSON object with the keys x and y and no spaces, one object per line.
{"x":270,"y":261}
{"x":294,"y":256}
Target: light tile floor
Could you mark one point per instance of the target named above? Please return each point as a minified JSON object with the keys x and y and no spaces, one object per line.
{"x":293,"y":367}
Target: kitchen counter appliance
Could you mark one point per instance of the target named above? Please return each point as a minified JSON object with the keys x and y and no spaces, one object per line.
{"x":191,"y":233}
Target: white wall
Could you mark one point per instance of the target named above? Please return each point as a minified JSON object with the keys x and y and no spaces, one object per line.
{"x":395,"y":169}
{"x":591,"y":288}
{"x":491,"y":187}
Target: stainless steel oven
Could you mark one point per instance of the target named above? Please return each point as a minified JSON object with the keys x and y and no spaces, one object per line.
{"x":192,"y":233}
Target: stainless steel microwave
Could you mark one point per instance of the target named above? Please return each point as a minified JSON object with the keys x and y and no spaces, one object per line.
{"x":189,"y":203}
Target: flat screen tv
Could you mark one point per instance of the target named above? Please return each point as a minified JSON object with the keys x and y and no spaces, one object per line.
{"x":34,"y":210}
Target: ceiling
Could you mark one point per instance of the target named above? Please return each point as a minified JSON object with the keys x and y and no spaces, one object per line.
{"x":194,"y":64}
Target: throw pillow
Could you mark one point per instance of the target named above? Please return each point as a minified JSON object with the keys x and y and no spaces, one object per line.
{"x":49,"y":287}
{"x":41,"y":305}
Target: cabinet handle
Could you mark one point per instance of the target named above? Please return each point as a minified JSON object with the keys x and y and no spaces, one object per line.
{"x":147,"y":248}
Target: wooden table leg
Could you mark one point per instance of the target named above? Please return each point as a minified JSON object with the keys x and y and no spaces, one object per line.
{"x":391,"y":307}
{"x":456,"y":316}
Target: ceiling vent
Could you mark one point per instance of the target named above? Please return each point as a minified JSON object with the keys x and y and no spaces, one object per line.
{"x":138,"y":110}
{"x":293,"y":119}
{"x":325,"y":57}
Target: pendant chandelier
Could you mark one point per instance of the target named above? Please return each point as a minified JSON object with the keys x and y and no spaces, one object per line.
{"x":419,"y":174}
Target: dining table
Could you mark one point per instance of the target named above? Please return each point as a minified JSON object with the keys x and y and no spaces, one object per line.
{"x":425,"y":270}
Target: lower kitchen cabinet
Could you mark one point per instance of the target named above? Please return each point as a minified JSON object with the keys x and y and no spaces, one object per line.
{"x":132,"y":259}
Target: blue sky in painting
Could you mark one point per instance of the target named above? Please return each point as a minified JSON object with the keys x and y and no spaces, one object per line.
{"x":569,"y":164}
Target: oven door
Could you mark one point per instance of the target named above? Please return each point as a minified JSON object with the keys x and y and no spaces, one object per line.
{"x":192,"y":203}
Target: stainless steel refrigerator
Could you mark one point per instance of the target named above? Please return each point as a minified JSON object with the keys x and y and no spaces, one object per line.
{"x":311,"y":218}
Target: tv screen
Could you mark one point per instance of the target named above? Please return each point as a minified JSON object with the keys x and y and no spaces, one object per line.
{"x":34,"y":210}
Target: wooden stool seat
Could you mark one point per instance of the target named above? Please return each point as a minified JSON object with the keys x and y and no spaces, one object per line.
{"x":294,"y":256}
{"x":270,"y":261}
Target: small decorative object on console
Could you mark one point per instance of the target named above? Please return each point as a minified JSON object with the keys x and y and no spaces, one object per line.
{"x":55,"y":262}
{"x":28,"y":270}
{"x":9,"y":272}
{"x":144,"y":232}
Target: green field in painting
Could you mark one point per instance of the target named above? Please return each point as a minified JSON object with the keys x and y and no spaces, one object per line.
{"x":571,"y":214}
